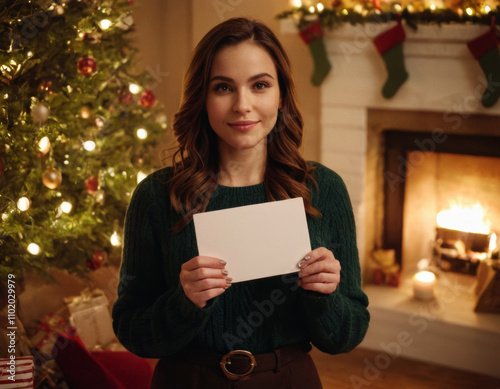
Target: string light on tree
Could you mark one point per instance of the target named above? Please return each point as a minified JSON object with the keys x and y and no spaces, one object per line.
{"x":34,"y":249}
{"x":105,"y":24}
{"x":65,"y":207}
{"x":89,"y":145}
{"x":115,"y":239}
{"x":134,"y":88}
{"x":141,"y":176}
{"x":23,"y":203}
{"x":44,"y":145}
{"x":142,"y":133}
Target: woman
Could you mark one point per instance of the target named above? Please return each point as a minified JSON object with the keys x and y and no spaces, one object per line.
{"x":239,"y":131}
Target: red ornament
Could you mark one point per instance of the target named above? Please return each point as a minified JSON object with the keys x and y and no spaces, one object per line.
{"x":46,"y":87}
{"x":87,"y":66}
{"x":92,"y":184}
{"x":148,"y":99}
{"x":124,"y":96}
{"x":97,"y":260}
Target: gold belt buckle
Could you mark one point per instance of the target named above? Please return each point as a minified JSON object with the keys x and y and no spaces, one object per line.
{"x":233,"y":376}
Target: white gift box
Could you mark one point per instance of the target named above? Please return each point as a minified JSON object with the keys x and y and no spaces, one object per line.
{"x":87,"y":300}
{"x":91,"y":317}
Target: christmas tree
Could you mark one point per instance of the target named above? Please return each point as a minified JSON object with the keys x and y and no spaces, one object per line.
{"x":78,"y":125}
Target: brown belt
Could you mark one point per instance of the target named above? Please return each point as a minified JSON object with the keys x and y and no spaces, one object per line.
{"x":238,"y":364}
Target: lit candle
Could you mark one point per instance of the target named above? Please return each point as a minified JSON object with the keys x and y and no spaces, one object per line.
{"x":423,"y":285}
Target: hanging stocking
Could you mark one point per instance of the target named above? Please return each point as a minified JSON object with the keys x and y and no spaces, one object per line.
{"x":484,"y":48}
{"x":312,"y":35}
{"x":390,"y":46}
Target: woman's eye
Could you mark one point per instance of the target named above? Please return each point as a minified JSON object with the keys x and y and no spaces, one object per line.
{"x":260,"y":85}
{"x":222,"y":88}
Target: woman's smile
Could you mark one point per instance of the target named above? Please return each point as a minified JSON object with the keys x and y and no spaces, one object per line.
{"x":244,"y":125}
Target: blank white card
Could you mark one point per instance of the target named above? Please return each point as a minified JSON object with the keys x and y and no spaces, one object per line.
{"x":256,"y":241}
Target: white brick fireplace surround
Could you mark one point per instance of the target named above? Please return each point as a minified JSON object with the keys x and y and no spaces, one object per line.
{"x":445,"y":84}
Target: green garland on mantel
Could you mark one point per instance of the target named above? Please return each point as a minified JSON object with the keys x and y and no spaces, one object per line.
{"x":337,"y":16}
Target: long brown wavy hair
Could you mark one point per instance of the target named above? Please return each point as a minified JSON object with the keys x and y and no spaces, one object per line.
{"x":196,"y":163}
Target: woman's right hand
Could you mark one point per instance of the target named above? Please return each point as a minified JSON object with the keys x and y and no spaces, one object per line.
{"x":203,"y":278}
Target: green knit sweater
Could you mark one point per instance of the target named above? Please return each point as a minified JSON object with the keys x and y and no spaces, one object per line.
{"x":153,"y":318}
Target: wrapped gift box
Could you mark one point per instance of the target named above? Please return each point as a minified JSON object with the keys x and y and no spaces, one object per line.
{"x":91,"y":317}
{"x":16,"y":373}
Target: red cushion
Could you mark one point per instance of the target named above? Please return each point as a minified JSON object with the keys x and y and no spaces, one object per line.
{"x":80,"y":370}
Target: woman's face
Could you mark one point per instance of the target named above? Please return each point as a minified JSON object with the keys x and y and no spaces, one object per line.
{"x":243,"y":97}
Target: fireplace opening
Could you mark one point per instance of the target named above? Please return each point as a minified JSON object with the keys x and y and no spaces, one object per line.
{"x":426,"y":173}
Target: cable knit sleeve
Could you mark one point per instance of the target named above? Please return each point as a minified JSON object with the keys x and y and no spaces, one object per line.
{"x":337,"y":322}
{"x":152,"y":317}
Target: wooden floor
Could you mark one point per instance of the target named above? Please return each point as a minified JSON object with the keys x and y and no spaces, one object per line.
{"x":358,"y":369}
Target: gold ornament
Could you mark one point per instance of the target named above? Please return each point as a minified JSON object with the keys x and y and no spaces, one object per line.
{"x":85,"y":112}
{"x":51,"y":178}
{"x":40,"y":113}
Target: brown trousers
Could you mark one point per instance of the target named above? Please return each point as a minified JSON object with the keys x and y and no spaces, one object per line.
{"x":297,"y":372}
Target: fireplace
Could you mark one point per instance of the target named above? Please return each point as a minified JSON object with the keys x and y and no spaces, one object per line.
{"x":426,"y":172}
{"x":434,"y":120}
{"x":416,"y":165}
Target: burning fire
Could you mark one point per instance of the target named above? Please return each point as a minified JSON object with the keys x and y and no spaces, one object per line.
{"x":467,"y":219}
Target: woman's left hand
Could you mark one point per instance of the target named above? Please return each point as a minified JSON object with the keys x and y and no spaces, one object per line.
{"x":319,"y":271}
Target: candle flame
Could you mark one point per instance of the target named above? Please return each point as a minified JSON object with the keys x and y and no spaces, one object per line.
{"x":467,"y":219}
{"x":425,"y":276}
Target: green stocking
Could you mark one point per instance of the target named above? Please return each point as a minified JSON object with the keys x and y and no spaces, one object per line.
{"x":312,"y":35}
{"x":390,"y":46}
